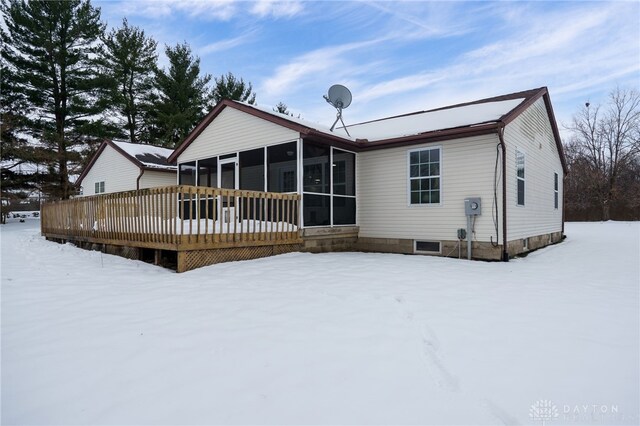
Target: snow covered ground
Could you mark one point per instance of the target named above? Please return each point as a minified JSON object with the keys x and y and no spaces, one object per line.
{"x":344,"y":338}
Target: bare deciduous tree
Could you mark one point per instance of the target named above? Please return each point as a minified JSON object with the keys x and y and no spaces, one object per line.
{"x":603,"y":151}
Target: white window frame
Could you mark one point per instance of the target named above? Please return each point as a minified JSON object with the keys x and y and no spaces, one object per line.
{"x":523,"y":179}
{"x":99,"y":187}
{"x":409,"y":178}
{"x":556,"y":192}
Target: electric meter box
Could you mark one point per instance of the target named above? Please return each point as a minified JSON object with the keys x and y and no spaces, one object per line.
{"x":472,"y":206}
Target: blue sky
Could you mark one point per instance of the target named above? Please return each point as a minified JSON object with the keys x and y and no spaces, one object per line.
{"x":399,"y":57}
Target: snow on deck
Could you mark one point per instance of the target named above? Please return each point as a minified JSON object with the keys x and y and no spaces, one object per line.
{"x":428,"y":121}
{"x":149,"y":155}
{"x":348,"y":338}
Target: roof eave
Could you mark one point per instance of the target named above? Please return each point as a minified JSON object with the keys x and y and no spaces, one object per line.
{"x":281,"y":121}
{"x":173,"y":169}
{"x":556,"y":132}
{"x":196,"y":131}
{"x":433,"y":136}
{"x":543,"y":93}
{"x":105,"y":143}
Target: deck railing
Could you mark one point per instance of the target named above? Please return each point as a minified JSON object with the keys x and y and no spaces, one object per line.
{"x":177,"y":217}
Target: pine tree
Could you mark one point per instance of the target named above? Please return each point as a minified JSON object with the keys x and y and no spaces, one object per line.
{"x":130,"y":58}
{"x":182,"y":96}
{"x":50,"y":47}
{"x":282,"y":108}
{"x":228,"y":87}
{"x":18,"y":165}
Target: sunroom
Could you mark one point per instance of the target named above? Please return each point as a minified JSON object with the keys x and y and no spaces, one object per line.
{"x":324,"y":176}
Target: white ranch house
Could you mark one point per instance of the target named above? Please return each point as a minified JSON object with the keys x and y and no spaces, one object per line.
{"x":397,"y":184}
{"x":249,"y":182}
{"x":122,"y":166}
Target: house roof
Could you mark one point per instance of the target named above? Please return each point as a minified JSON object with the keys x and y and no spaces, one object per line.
{"x":306,"y":128}
{"x":482,"y":116}
{"x":429,"y":121}
{"x":149,"y":156}
{"x":145,"y":157}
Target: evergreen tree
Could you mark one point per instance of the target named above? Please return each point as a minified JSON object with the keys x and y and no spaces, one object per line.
{"x":228,"y":87}
{"x":18,"y":166}
{"x":182,"y":96}
{"x":282,"y":108}
{"x":50,"y":47}
{"x":130,"y":59}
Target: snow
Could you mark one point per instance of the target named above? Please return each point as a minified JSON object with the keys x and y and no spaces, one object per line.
{"x":210,"y":226}
{"x":156,"y":224}
{"x":149,"y":155}
{"x":348,"y":338}
{"x":416,"y":123}
{"x":312,"y":125}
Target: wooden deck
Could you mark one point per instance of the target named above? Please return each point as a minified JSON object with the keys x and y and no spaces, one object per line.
{"x":202,"y":225}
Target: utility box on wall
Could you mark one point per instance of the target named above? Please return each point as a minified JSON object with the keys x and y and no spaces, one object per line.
{"x":472,"y":206}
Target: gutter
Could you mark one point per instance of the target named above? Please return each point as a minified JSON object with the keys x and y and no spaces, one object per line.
{"x":505,"y":252}
{"x":431,"y":136}
{"x":359,"y":145}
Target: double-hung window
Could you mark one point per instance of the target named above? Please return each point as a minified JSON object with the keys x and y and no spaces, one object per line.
{"x":555,"y":190}
{"x":424,"y":176}
{"x":520,"y":177}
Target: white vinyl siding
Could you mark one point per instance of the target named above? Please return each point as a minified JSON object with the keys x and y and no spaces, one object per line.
{"x":467,"y":169}
{"x":117,"y":172}
{"x":154,"y":179}
{"x":234,"y":131}
{"x":532,"y":134}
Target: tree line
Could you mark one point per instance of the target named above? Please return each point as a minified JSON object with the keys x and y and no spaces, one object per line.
{"x":67,"y":84}
{"x":603,"y":158}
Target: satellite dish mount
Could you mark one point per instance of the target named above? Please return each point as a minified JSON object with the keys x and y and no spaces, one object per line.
{"x":340,"y":97}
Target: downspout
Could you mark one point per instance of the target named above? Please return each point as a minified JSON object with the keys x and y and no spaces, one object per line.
{"x":139,"y":177}
{"x":564,"y":178}
{"x":505,"y":252}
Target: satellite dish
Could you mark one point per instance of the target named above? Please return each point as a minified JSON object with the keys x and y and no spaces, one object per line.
{"x":340,"y":97}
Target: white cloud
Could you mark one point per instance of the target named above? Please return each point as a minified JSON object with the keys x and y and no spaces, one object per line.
{"x":305,"y":68}
{"x":202,"y":9}
{"x":216,"y":10}
{"x":226,"y":44}
{"x":568,"y":55}
{"x":425,"y":19}
{"x":276,"y":8}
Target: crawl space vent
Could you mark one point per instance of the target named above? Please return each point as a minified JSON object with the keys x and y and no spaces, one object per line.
{"x":428,"y":246}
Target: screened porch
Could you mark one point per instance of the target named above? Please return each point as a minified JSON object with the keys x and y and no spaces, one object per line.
{"x":324,"y":176}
